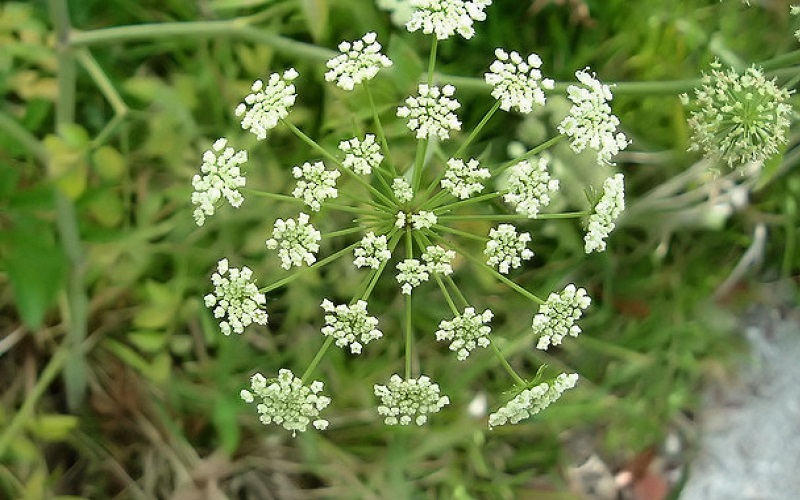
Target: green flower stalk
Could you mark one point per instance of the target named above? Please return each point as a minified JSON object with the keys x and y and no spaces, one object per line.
{"x":407,"y":221}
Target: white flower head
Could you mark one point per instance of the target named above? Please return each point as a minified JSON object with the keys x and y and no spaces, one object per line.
{"x":235,"y":299}
{"x":297,"y":241}
{"x":409,"y":401}
{"x":411,"y":273}
{"x":268,"y":104}
{"x":506,"y":249}
{"x":315,"y":184}
{"x":462,"y":180}
{"x":285,"y":401}
{"x":423,"y":219}
{"x":466,"y":332}
{"x":350,"y":325}
{"x":606,"y":212}
{"x":557,"y":316}
{"x":738,"y":118}
{"x":432,"y":112}
{"x":361,"y":156}
{"x":530,"y":187}
{"x":359,"y":61}
{"x":220,"y":178}
{"x":402,"y":190}
{"x":531,"y":401}
{"x":402,"y":219}
{"x":517,"y":82}
{"x":438,"y":259}
{"x":590,"y":122}
{"x":444,"y":18}
{"x":372,"y":251}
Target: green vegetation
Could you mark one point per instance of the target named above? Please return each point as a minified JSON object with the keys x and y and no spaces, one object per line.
{"x":117,"y":381}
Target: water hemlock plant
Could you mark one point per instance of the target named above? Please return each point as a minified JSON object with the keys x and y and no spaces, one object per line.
{"x":411,"y":219}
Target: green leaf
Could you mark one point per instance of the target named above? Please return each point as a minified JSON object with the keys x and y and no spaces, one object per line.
{"x":407,"y":66}
{"x":36,"y":269}
{"x":53,"y":427}
{"x":224,"y":419}
{"x":108,"y":163}
{"x":107,"y":208}
{"x":148,"y":341}
{"x":316,"y":13}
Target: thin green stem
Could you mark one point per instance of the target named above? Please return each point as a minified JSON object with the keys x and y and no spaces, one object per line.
{"x":343,"y":232}
{"x":314,"y":145}
{"x":419,"y":163}
{"x":457,"y":291}
{"x":511,"y":217}
{"x":317,"y":358}
{"x":500,"y":277}
{"x":25,"y":412}
{"x":446,"y":295}
{"x":379,"y":126}
{"x":237,"y":28}
{"x":503,"y":361}
{"x":533,"y":152}
{"x":458,"y":232}
{"x":23,"y":137}
{"x":432,"y":59}
{"x":101,"y":79}
{"x":296,"y":274}
{"x":477,"y":130}
{"x":394,"y":239}
{"x":409,"y":330}
{"x":462,"y":203}
{"x":66,"y":217}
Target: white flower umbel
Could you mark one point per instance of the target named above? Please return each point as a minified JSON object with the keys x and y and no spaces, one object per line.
{"x":314,"y":184}
{"x":590,"y":122}
{"x":530,"y":187}
{"x":409,"y":401}
{"x":350,"y":325}
{"x":557,"y":316}
{"x":506,"y":249}
{"x":466,"y":332}
{"x":517,"y":82}
{"x":267,"y":104}
{"x":462,"y":180}
{"x":285,"y":401}
{"x":297,"y":241}
{"x":444,"y":18}
{"x":795,"y":11}
{"x":423,"y":220}
{"x":410,"y":274}
{"x":361,"y":156}
{"x":402,"y":190}
{"x":738,"y":118}
{"x":432,"y":112}
{"x":235,"y":299}
{"x":531,"y":401}
{"x":372,"y":251}
{"x":359,"y":61}
{"x":221,"y":178}
{"x":438,"y":259}
{"x":606,"y":212}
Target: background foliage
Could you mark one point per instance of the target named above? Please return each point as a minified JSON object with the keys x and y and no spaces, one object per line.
{"x":116,"y":379}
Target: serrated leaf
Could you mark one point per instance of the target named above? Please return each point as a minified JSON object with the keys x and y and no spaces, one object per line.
{"x":36,"y":269}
